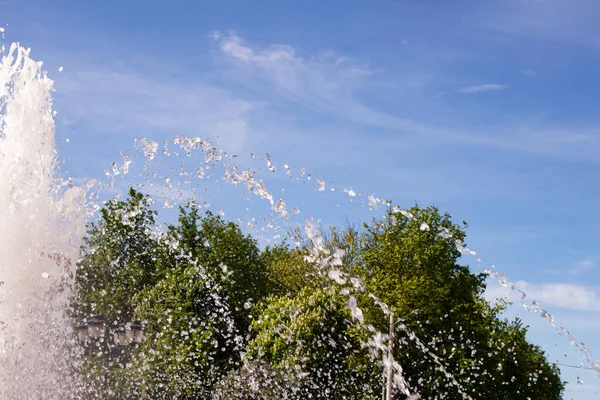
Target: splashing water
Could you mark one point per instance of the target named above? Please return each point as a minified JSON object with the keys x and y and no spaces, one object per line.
{"x":40,"y":223}
{"x":43,"y":220}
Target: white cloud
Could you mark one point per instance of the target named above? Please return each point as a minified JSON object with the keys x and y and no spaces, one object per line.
{"x":572,"y":22}
{"x":120,"y":98}
{"x":325,"y":83}
{"x":561,"y":295}
{"x":233,"y":45}
{"x":576,"y":268}
{"x":582,"y":266}
{"x":488,"y":87}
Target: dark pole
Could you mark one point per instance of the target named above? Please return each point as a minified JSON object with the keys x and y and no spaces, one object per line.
{"x":383,"y":384}
{"x":106,"y":362}
{"x":391,"y":358}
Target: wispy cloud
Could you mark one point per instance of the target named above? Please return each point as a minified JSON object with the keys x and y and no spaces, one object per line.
{"x":582,"y":266}
{"x":111,"y":99}
{"x":561,"y":295}
{"x":572,"y":22}
{"x":488,"y":87}
{"x":241,"y":99}
{"x":325,"y":82}
{"x":576,"y":268}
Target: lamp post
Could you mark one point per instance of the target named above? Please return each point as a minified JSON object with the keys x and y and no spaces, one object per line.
{"x":387,"y":390}
{"x":95,"y":330}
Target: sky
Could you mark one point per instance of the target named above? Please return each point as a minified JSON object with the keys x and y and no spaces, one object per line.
{"x":484,"y":109}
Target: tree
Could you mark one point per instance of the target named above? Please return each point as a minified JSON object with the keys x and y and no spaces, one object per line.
{"x":229,"y":257}
{"x":288,"y":272}
{"x":118,"y":259}
{"x":191,"y":337}
{"x":258,"y":381}
{"x":410,"y":261}
{"x":225,"y":319}
{"x":198,"y":313}
{"x":193,"y":286}
{"x":309,"y":339}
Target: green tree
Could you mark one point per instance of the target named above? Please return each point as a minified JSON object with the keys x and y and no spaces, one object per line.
{"x":198,"y":313}
{"x":287,"y":270}
{"x":193,"y":287}
{"x":191,"y":337}
{"x":410,"y":261}
{"x":231,"y":258}
{"x":225,"y":319}
{"x":309,"y":339}
{"x":118,"y":259}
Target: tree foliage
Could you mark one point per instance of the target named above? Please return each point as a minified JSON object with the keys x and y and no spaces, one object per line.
{"x":118,"y":259}
{"x":410,"y":260}
{"x":225,"y":319}
{"x":310,"y":336}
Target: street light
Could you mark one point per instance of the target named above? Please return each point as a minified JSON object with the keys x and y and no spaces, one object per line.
{"x":135,"y":331}
{"x":95,"y":329}
{"x":120,"y":338}
{"x":81,"y":331}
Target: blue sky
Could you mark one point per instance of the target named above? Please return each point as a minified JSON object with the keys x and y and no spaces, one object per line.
{"x":485,"y":109}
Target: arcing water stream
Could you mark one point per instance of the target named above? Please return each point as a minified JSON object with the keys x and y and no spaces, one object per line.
{"x":43,"y":220}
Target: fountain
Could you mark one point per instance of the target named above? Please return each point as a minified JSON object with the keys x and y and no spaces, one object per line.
{"x":43,"y":222}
